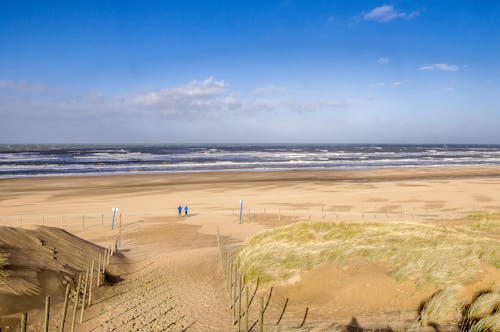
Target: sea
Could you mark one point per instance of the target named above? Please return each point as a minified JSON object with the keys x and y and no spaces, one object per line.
{"x":85,"y":159}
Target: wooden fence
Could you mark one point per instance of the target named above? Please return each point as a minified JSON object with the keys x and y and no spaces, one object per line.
{"x":81,"y":296}
{"x":242,"y":297}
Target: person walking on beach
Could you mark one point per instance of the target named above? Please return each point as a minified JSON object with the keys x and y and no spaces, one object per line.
{"x":186,"y":210}
{"x":179,"y":210}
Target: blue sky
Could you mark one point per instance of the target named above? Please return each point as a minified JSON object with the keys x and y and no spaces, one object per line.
{"x":240,"y":71}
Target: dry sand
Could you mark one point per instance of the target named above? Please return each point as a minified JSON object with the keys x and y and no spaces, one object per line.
{"x":168,"y":277}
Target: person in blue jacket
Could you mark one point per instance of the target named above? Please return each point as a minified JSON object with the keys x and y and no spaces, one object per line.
{"x":179,"y":210}
{"x":186,"y":210}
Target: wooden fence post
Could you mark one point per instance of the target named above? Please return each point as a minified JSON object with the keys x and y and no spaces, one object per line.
{"x":76,"y":301}
{"x":282,"y":312}
{"x":239,"y":302}
{"x":98,"y":270}
{"x":104,"y":261}
{"x":305,"y":317}
{"x":261,"y":314}
{"x":65,"y":307}
{"x":24,"y":321}
{"x":235,"y":283}
{"x":231,"y":278}
{"x":90,"y":283}
{"x":47,"y":314}
{"x":247,"y":307}
{"x":83,"y":295}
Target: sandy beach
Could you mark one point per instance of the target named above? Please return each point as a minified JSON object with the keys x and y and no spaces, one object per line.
{"x":167,"y":275}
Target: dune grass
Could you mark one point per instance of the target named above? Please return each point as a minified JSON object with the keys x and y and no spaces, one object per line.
{"x":424,"y":253}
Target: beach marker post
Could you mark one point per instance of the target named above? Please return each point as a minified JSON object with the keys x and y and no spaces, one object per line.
{"x":241,"y":209}
{"x":113,"y":220}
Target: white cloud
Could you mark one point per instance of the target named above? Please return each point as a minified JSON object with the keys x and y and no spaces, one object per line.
{"x":384,"y":84}
{"x":268,"y":89}
{"x":196,"y":99}
{"x":383,"y":61}
{"x":386,"y":13}
{"x":22,"y":87}
{"x":439,"y":66}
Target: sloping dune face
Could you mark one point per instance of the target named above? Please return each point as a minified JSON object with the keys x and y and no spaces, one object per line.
{"x":370,"y":270}
{"x":39,"y":261}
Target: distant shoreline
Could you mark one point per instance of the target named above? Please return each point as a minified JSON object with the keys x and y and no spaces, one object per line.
{"x":225,"y":176}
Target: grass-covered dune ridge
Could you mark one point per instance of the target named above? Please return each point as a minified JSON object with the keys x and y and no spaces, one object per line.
{"x":425,"y":253}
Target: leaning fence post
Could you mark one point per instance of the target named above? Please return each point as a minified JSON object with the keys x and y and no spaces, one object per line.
{"x":90,"y":283}
{"x":282,"y":312}
{"x":98,"y":270}
{"x":104,"y":260}
{"x":47,"y":314}
{"x":77,"y":299}
{"x":247,"y":307}
{"x":65,"y":307}
{"x":233,"y":301}
{"x":239,"y":302}
{"x":305,"y":317}
{"x":231,"y":278}
{"x":261,"y":314}
{"x":83,"y":295}
{"x":24,"y":321}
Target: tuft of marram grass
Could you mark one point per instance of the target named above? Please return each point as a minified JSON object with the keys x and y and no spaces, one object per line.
{"x":443,"y":303}
{"x":483,"y":314}
{"x":487,"y":324}
{"x":425,"y":253}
